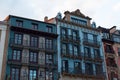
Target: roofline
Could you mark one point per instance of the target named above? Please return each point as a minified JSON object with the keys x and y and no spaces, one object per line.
{"x":3,"y":22}
{"x":27,"y":19}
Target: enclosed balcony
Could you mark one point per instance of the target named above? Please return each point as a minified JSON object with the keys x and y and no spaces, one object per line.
{"x":88,"y":57}
{"x":73,"y":72}
{"x":90,"y":42}
{"x":32,"y":45}
{"x":70,"y":38}
{"x":23,"y":61}
{"x":98,"y":58}
{"x":71,"y":54}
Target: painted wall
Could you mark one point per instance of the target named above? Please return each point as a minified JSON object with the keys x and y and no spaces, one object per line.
{"x":3,"y":28}
{"x":81,"y":30}
{"x":28,"y":24}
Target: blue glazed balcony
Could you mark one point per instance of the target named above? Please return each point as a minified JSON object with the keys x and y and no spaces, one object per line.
{"x":92,"y":43}
{"x":71,"y":55}
{"x":70,"y":38}
{"x":74,"y":72}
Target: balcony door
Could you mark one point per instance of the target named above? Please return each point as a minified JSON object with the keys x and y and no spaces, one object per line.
{"x":65,"y":65}
{"x":18,"y":38}
{"x":34,"y":41}
{"x":15,"y":73}
{"x":87,"y":52}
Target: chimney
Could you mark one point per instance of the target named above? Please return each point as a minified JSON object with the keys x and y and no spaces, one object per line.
{"x":45,"y":19}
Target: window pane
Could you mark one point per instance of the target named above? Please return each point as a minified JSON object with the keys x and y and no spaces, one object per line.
{"x":18,"y":38}
{"x":64,"y":48}
{"x":16,"y":54}
{"x":33,"y":57}
{"x":19,"y":23}
{"x":75,"y":50}
{"x":15,"y":74}
{"x":34,"y":41}
{"x":32,"y":74}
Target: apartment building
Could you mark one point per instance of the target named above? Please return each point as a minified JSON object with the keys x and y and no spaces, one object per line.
{"x":31,"y":53}
{"x":111,"y":39}
{"x":80,"y":52}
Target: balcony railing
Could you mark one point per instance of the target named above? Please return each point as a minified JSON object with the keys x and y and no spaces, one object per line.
{"x":91,"y":42}
{"x":82,"y":73}
{"x":109,"y":51}
{"x":70,"y":38}
{"x":36,"y":46}
{"x":71,"y":71}
{"x":98,"y":58}
{"x":72,"y":55}
{"x":88,"y":56}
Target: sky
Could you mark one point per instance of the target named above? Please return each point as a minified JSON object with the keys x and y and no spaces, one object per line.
{"x":105,"y":13}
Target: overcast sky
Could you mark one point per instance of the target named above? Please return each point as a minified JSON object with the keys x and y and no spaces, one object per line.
{"x":105,"y":13}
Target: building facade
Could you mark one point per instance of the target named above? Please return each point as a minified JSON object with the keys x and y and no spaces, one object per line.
{"x":31,"y":53}
{"x":3,"y":38}
{"x":80,"y":53}
{"x":111,"y":39}
{"x":116,"y":37}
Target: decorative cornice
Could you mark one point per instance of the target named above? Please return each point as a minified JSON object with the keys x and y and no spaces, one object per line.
{"x":82,"y":26}
{"x":77,"y":13}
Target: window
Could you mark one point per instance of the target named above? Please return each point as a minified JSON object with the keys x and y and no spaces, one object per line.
{"x":96,"y":53}
{"x":15,"y":72}
{"x":42,"y":74}
{"x":75,"y":50}
{"x":95,"y":38}
{"x":49,"y":58}
{"x":99,"y":69}
{"x":85,"y":36}
{"x":34,"y":26}
{"x":65,"y":66}
{"x":0,"y":34}
{"x":64,"y":33}
{"x":18,"y":39}
{"x":49,"y":75}
{"x":49,"y":29}
{"x":114,"y":76}
{"x":111,"y":62}
{"x":64,"y":48}
{"x":70,"y":49}
{"x":109,"y":49}
{"x":79,"y":21}
{"x":74,"y":35}
{"x":49,"y":44}
{"x":87,"y":52}
{"x":16,"y":55}
{"x":77,"y":67}
{"x":34,"y":41}
{"x":88,"y":68}
{"x":33,"y":57}
{"x":19,"y":23}
{"x":32,"y":74}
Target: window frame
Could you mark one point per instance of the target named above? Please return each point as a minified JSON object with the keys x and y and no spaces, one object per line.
{"x":34,"y":42}
{"x":33,"y":73}
{"x":48,"y":43}
{"x":20,"y":56}
{"x":15,"y":74}
{"x":19,"y":23}
{"x":49,"y":29}
{"x":16,"y":38}
{"x":33,"y":60}
{"x":35,"y":26}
